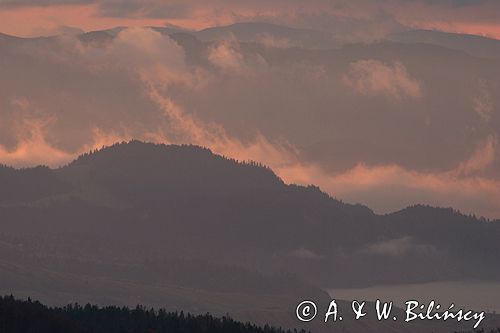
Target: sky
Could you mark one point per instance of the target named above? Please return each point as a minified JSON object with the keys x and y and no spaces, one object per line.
{"x":379,"y":124}
{"x":42,"y":17}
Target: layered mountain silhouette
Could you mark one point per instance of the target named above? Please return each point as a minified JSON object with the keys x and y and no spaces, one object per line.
{"x":147,"y":223}
{"x":161,"y":198}
{"x":478,"y":46}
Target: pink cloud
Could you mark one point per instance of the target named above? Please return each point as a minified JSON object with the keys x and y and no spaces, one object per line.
{"x":157,"y":63}
{"x":378,"y":17}
{"x":372,"y":77}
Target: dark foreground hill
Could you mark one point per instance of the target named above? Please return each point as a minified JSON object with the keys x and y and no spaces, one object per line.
{"x":183,"y":228}
{"x":18,"y":316}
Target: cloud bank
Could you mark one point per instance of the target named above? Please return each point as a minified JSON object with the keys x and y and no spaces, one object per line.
{"x":312,"y":116}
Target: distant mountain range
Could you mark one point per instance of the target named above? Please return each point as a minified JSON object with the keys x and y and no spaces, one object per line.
{"x":281,"y":36}
{"x":478,"y":46}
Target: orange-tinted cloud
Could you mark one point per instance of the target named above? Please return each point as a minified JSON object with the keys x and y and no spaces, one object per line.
{"x":388,"y":188}
{"x":475,"y":17}
{"x":372,"y":77}
{"x":157,"y":68}
{"x":36,"y":21}
{"x":384,"y":188}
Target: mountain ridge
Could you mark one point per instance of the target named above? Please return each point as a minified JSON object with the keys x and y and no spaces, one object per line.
{"x":128,"y":151}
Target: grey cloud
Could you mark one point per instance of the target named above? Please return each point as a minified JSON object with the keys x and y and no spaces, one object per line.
{"x":133,"y":5}
{"x":457,"y":3}
{"x":304,"y":253}
{"x":150,"y":9}
{"x":400,"y":247}
{"x":43,"y":3}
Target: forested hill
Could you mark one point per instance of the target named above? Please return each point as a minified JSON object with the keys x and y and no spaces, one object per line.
{"x":138,"y":202}
{"x":18,"y":316}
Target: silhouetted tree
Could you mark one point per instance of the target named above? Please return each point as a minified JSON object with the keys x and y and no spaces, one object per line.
{"x":18,"y":316}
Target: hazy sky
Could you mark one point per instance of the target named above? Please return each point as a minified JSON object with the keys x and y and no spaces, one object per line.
{"x":382,"y":124}
{"x":32,"y":17}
